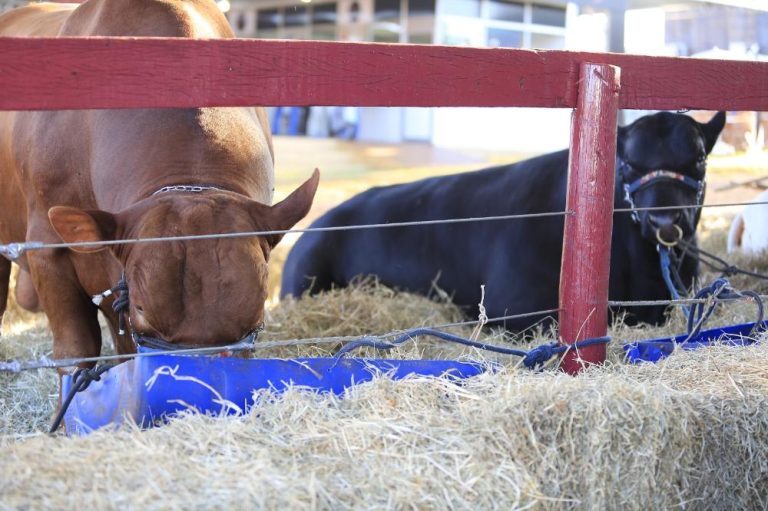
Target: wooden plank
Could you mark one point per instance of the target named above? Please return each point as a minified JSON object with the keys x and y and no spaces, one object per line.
{"x":79,"y":73}
{"x":587,"y":239}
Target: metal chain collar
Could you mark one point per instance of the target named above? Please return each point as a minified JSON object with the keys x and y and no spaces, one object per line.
{"x":187,"y":188}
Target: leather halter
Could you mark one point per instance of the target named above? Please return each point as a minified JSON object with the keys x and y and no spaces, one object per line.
{"x":145,"y":343}
{"x":653,"y":177}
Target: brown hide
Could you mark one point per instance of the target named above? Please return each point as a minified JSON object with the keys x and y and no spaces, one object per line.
{"x":91,"y":176}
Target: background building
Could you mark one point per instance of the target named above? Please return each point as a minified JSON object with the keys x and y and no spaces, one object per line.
{"x":718,"y":29}
{"x":708,"y":28}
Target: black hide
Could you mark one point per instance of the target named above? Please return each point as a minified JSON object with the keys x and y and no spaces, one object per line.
{"x":517,"y":260}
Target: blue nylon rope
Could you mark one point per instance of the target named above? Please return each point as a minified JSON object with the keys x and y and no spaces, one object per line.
{"x":666,"y":264}
{"x":531,"y":359}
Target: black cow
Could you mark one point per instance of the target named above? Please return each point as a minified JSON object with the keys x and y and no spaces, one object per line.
{"x":661,"y":161}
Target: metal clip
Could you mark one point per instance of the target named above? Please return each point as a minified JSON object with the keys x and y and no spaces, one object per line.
{"x":13,"y":251}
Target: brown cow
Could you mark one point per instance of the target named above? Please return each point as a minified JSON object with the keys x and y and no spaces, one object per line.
{"x":101,"y":175}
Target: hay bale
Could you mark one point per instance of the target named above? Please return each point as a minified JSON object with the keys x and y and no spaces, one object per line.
{"x":691,"y":431}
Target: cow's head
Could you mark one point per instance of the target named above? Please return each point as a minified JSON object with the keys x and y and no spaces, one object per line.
{"x":196,"y":292}
{"x":661,"y":162}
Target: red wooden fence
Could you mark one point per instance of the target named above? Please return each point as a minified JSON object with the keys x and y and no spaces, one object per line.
{"x":81,"y":73}
{"x":127,"y":73}
{"x":587,"y":236}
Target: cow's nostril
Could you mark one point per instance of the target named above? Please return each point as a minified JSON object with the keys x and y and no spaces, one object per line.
{"x":664,"y":220}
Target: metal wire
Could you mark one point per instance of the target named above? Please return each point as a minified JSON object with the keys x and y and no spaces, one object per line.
{"x":14,"y":250}
{"x":694,"y":206}
{"x":650,"y":303}
{"x":17,"y":366}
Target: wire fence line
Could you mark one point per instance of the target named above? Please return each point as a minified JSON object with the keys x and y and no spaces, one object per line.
{"x":14,"y":250}
{"x":17,"y":366}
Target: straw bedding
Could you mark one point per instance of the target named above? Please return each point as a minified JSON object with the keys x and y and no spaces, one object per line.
{"x":690,"y":432}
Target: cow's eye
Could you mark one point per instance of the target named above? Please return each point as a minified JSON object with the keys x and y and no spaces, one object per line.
{"x":140,"y":309}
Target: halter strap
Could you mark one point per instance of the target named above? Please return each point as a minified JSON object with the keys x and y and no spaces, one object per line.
{"x":149,"y":343}
{"x":146,"y":343}
{"x":653,"y":176}
{"x":656,"y":175}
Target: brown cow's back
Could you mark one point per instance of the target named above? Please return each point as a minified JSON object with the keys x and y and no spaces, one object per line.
{"x":36,"y":20}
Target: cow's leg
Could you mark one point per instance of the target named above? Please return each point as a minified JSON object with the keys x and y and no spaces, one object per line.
{"x":26,"y":295}
{"x":5,"y":277}
{"x":71,"y":314}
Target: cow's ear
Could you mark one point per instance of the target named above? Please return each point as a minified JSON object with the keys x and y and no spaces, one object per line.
{"x":286,"y":213}
{"x":74,"y":225}
{"x":712,"y":129}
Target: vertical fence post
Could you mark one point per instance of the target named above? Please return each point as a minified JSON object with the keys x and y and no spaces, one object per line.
{"x":587,"y":237}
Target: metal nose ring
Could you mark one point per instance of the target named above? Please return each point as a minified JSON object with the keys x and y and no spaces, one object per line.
{"x":672,"y":243}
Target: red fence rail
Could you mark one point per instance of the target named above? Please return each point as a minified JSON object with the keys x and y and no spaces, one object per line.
{"x":78,"y":73}
{"x":88,"y":73}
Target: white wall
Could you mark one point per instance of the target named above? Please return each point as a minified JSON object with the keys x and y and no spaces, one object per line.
{"x":378,"y":124}
{"x":506,"y":129}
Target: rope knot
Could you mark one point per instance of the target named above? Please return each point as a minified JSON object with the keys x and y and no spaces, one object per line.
{"x":540,"y":355}
{"x":120,"y":305}
{"x":81,"y":379}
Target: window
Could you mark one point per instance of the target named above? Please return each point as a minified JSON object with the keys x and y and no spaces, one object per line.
{"x":386,"y":10}
{"x":503,"y":38}
{"x":461,"y":8}
{"x":501,"y":23}
{"x":324,"y":14}
{"x":296,"y":16}
{"x":421,"y":7}
{"x":545,"y":15}
{"x":268,"y":19}
{"x":506,"y":10}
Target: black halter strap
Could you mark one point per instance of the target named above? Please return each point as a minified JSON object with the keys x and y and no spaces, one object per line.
{"x":652,"y":177}
{"x":147,"y":342}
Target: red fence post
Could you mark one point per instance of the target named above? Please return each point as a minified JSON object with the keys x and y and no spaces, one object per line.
{"x":587,"y":238}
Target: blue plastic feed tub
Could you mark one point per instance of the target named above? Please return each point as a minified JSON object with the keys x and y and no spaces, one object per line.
{"x":147,"y":390}
{"x":654,"y":350}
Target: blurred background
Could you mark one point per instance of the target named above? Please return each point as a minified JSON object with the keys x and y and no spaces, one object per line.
{"x":722,"y":29}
